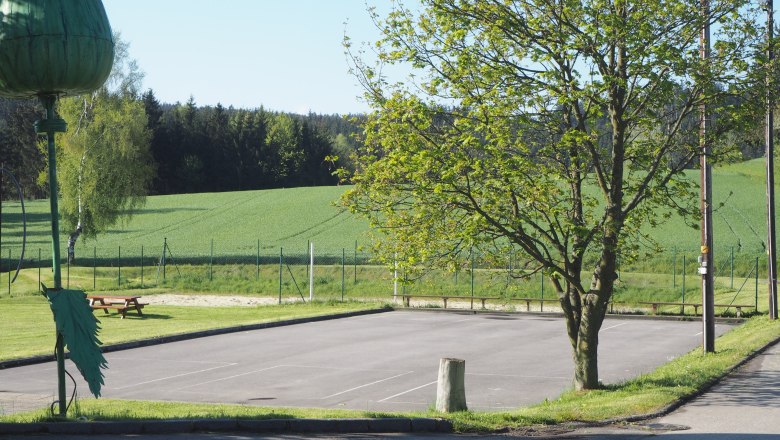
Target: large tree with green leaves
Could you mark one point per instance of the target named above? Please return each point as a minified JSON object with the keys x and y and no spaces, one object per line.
{"x":553,"y":129}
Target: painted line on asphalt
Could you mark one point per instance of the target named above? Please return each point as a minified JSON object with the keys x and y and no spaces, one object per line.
{"x":616,"y":325}
{"x":407,"y":391}
{"x":229,"y":377}
{"x":367,"y":385}
{"x":173,"y":377}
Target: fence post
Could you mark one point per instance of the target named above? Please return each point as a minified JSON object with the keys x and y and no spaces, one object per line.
{"x":142,"y":266}
{"x":94,"y":267}
{"x":354,"y":261}
{"x":281,"y":262}
{"x":541,"y":304}
{"x":119,"y":265}
{"x":674,"y":268}
{"x":732,"y":267}
{"x":308,"y":250}
{"x":756,"y":304}
{"x":683,"y":280}
{"x":211,"y":260}
{"x":343,"y":254}
{"x":472,"y":279}
{"x":9,"y":272}
{"x":165,"y":250}
{"x":311,"y":271}
{"x":39,"y":270}
{"x":395,"y":277}
{"x":257,"y":275}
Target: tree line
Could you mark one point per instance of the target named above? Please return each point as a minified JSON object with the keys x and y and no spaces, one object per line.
{"x":199,"y":148}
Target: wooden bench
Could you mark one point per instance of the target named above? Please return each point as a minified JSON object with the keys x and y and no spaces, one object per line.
{"x":656,"y":304}
{"x":483,"y":299}
{"x":120,"y":303}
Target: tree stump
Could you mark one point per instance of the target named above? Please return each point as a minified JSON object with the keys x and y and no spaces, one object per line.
{"x":451,"y":390}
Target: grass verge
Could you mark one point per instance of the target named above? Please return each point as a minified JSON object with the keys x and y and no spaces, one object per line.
{"x":642,"y":395}
{"x":27,"y":326}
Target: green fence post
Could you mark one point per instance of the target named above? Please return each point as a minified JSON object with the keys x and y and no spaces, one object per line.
{"x":39,"y":270}
{"x":9,"y":272}
{"x":257,"y":275}
{"x":308,"y":250}
{"x":541,"y":304}
{"x":119,"y":266}
{"x":142,"y":266}
{"x":211,"y":260}
{"x":472,"y":279}
{"x":674,"y":268}
{"x":165,"y":250}
{"x":732,"y":267}
{"x":343,"y":255}
{"x":67,"y":272}
{"x":683,"y":280}
{"x":756,"y":304}
{"x":354,"y":261}
{"x":281,"y":262}
{"x":94,"y":267}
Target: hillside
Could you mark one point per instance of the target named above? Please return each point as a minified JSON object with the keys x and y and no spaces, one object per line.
{"x":290,"y":217}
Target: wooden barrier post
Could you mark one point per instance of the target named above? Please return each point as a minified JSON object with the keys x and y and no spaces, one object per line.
{"x":451,"y":389}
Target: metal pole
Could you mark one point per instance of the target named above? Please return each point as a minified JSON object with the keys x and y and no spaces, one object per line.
{"x":9,"y":272}
{"x":756,"y":275}
{"x":541,"y":306}
{"x":119,"y":266}
{"x":67,"y":273}
{"x":472,"y":280}
{"x":683,"y":280}
{"x":308,"y":249}
{"x":674,"y":269}
{"x":39,"y":269}
{"x":343,"y":256}
{"x":257,"y":275}
{"x":94,"y":268}
{"x":311,"y":271}
{"x":732,"y":267}
{"x":395,"y":277}
{"x":211,"y":260}
{"x":142,"y":266}
{"x":51,"y":125}
{"x":707,"y":251}
{"x":165,"y":249}
{"x":354,"y":261}
{"x":281,"y":262}
{"x":770,"y":166}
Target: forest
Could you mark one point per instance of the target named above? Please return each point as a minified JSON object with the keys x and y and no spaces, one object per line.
{"x":202,"y":148}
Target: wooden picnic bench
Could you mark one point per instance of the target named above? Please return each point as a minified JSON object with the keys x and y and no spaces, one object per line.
{"x":656,"y":304}
{"x":120,"y":303}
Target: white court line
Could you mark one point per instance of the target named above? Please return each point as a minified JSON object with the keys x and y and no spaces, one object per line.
{"x":616,"y":325}
{"x":367,"y":385}
{"x":407,"y":391}
{"x":229,"y":377}
{"x":698,"y":334}
{"x":173,"y":377}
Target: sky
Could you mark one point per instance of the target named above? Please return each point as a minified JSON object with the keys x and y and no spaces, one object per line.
{"x":284,"y":55}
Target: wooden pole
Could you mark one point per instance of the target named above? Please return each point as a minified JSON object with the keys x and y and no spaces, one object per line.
{"x":707,"y":252}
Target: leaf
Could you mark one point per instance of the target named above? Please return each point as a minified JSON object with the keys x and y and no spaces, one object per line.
{"x":79,"y":329}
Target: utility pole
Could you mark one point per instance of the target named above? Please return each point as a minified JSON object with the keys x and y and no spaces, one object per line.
{"x":707,"y":258}
{"x":770,"y":166}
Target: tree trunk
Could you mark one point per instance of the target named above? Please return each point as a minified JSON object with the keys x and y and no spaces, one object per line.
{"x":586,"y":368}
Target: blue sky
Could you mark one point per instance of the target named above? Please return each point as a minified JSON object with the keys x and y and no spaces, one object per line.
{"x":284,"y":55}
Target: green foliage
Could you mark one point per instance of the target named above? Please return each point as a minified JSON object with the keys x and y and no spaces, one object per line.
{"x":552,"y":130}
{"x":79,"y":329}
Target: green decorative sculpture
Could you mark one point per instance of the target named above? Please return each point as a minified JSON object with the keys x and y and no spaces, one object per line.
{"x":50,"y":48}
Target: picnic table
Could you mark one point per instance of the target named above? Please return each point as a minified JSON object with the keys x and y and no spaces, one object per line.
{"x":120,"y":303}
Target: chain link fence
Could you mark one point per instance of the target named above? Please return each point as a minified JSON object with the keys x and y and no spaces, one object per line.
{"x":297,"y":273}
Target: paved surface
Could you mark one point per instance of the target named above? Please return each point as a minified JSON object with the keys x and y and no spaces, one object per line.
{"x":387,"y":361}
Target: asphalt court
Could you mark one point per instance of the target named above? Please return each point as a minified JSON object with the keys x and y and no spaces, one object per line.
{"x":384,"y":362}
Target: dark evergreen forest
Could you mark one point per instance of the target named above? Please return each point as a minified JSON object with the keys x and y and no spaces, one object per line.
{"x":203,"y":148}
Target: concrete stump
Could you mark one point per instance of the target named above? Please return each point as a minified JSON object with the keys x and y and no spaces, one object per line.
{"x":451,"y":390}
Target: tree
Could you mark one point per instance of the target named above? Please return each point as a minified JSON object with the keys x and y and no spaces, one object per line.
{"x":552,"y":129}
{"x":106,"y":163}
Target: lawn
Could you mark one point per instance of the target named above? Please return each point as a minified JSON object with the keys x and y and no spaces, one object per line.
{"x":27,"y":326}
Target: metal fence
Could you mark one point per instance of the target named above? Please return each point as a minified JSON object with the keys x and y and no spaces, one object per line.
{"x":302,"y":273}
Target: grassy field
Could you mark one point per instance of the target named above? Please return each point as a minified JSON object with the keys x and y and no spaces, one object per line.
{"x":27,"y":326}
{"x":289,"y":218}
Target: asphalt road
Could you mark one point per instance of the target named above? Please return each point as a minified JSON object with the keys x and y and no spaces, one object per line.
{"x":387,"y":361}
